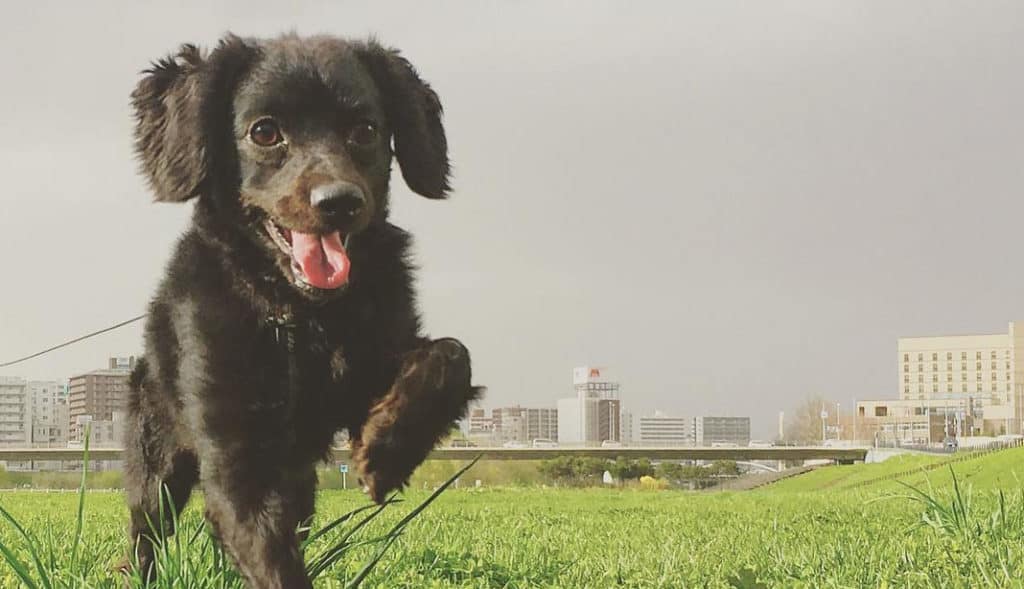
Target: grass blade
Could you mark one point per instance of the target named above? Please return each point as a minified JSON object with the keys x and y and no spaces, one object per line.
{"x":325,"y":559}
{"x":81,"y":498}
{"x":369,"y":566}
{"x":31,"y":544}
{"x":19,"y":568}
{"x":437,"y":492}
{"x":398,"y":528}
{"x":313,"y":536}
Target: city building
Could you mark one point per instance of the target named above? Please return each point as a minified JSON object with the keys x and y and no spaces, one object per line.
{"x":541,"y":423}
{"x":95,"y":396}
{"x":594,"y":415}
{"x":478,"y":420}
{"x":32,"y":414}
{"x":512,"y":424}
{"x":627,"y":428}
{"x":49,"y":414}
{"x":664,"y":430}
{"x":103,"y":433}
{"x":920,"y":422}
{"x":970,"y":384}
{"x":708,"y":431}
{"x":509,"y":425}
{"x":668,"y":430}
{"x":480,"y":428}
{"x":15,"y":418}
{"x":15,"y":412}
{"x":49,"y":420}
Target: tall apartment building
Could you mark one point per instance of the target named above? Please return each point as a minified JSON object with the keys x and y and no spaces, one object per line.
{"x":98,"y":396}
{"x":627,"y":429}
{"x":594,"y":415}
{"x":540,"y":423}
{"x":32,"y":414}
{"x":49,"y":420}
{"x":15,"y":412}
{"x":49,"y":414}
{"x":974,"y":382}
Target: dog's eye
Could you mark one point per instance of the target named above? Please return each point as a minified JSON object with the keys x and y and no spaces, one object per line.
{"x":265,"y":133}
{"x":362,"y":135}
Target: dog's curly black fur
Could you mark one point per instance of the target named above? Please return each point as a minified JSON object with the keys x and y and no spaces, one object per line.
{"x":249,"y":369}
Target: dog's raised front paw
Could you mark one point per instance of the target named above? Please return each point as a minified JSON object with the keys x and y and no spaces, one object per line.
{"x":432,"y":391}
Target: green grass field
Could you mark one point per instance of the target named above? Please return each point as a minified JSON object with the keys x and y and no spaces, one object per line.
{"x":815,"y":530}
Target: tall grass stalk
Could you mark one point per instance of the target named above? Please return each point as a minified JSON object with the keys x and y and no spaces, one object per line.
{"x":191,"y":559}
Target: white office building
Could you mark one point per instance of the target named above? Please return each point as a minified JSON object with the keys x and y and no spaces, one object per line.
{"x":666,"y":430}
{"x":594,"y":414}
{"x":985,"y":371}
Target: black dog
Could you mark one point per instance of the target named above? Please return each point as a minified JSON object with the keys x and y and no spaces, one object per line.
{"x":287,"y":312}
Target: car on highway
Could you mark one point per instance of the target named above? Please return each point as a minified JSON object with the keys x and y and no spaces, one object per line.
{"x":544,"y":443}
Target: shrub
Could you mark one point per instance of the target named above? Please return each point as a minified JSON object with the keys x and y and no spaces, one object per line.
{"x":576,"y":471}
{"x":649,"y":483}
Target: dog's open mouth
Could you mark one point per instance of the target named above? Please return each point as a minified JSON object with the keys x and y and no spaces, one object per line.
{"x":318,"y":260}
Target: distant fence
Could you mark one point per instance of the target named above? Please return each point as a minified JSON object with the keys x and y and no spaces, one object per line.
{"x":972,"y":454}
{"x":750,"y":482}
{"x":45,"y":491}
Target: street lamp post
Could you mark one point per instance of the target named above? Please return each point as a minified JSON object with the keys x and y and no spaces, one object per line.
{"x":824,"y":419}
{"x":837,"y":422}
{"x":855,"y":420}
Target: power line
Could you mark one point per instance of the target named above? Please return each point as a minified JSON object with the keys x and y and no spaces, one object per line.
{"x":74,"y":341}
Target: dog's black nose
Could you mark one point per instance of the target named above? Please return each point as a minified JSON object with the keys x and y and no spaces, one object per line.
{"x":338,"y":201}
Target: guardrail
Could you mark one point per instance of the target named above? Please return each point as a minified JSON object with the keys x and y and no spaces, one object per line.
{"x":842,"y":455}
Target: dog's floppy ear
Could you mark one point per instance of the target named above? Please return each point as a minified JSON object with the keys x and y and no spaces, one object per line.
{"x":414,"y":113}
{"x":180,"y":104}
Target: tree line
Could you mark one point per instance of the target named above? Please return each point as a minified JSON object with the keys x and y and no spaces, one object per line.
{"x":587,"y":471}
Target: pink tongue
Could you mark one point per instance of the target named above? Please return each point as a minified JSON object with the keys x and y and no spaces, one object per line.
{"x":322,"y":259}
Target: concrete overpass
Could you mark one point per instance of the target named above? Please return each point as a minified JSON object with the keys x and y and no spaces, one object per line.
{"x":793,"y":453}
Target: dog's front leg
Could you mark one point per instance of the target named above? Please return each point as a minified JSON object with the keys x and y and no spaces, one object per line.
{"x":431,"y":392}
{"x":255,"y":510}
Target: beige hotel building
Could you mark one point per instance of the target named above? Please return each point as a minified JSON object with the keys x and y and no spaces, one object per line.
{"x":978,"y":379}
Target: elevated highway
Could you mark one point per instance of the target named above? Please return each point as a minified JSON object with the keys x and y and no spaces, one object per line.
{"x":789,"y":453}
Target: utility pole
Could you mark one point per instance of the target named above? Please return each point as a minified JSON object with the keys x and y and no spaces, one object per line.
{"x":838,"y":437}
{"x":855,"y":421}
{"x":824,"y":419}
{"x":927,"y":421}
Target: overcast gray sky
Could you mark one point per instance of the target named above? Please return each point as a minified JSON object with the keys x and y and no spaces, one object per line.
{"x":732,"y":204}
